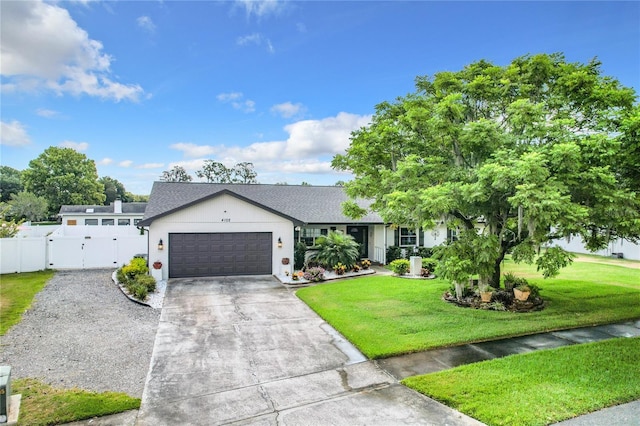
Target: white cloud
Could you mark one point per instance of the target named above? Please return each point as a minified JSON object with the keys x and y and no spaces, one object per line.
{"x":13,"y":134}
{"x":256,"y":39}
{"x":78,"y":146}
{"x":125,"y":163}
{"x":288,"y":109}
{"x":226,"y":97}
{"x":262,"y":8}
{"x":236,"y":100}
{"x":150,"y":166}
{"x":146,"y":24}
{"x":191,"y":150}
{"x":47,"y":113}
{"x":105,"y":161}
{"x":43,"y":48}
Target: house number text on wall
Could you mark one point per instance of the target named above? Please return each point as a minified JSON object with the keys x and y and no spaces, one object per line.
{"x":226,"y":219}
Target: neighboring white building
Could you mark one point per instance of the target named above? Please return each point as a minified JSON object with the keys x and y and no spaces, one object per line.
{"x":120,"y":218}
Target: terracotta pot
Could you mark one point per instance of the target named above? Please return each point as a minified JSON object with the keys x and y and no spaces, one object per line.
{"x":485,"y":296}
{"x":157,"y":265}
{"x":285,"y":260}
{"x":521,"y":295}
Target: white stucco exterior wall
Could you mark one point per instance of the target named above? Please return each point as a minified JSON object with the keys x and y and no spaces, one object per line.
{"x":225,"y":213}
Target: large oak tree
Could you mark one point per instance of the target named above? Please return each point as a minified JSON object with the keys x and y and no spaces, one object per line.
{"x":516,"y":155}
{"x":63,"y":176}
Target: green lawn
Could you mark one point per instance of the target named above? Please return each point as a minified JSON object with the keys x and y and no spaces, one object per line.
{"x":541,"y":387}
{"x":44,"y":405}
{"x":385,"y":316}
{"x":16,"y":293}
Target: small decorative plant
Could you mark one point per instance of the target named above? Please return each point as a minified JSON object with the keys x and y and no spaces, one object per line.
{"x":366,"y":263}
{"x":339,"y":268}
{"x":356,"y":268}
{"x":295,"y":276}
{"x":314,"y":274}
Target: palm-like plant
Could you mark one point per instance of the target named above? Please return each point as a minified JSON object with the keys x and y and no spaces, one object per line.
{"x":335,"y":248}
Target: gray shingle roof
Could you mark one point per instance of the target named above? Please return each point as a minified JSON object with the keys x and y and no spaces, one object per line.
{"x":127,"y":208}
{"x":306,"y":204}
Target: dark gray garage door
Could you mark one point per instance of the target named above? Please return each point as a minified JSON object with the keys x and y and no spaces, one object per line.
{"x":218,"y":254}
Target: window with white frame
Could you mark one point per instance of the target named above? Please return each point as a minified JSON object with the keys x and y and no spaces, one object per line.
{"x":309,"y":235}
{"x":91,"y":222}
{"x":124,"y":222}
{"x":408,"y":237}
{"x":107,"y":222}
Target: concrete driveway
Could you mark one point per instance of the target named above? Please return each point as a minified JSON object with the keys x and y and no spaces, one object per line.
{"x":246,"y":350}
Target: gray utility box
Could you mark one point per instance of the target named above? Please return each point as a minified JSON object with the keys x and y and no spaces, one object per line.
{"x":5,"y":392}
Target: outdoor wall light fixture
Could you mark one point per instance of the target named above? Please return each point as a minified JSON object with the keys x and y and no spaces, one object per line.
{"x":160,"y":245}
{"x":279,"y":242}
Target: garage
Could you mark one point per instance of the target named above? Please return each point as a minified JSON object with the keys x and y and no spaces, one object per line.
{"x":220,"y":254}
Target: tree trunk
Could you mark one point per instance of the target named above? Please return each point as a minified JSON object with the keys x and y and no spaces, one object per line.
{"x":495,"y":277}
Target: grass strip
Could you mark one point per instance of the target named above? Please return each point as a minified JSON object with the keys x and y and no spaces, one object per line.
{"x":44,"y":405}
{"x":541,"y":387}
{"x":385,"y":315}
{"x":16,"y":294}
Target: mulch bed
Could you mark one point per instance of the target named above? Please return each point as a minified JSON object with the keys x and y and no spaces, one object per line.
{"x":501,"y":300}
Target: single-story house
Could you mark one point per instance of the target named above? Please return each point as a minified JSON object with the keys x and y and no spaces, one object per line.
{"x":117,"y":214}
{"x":207,"y":229}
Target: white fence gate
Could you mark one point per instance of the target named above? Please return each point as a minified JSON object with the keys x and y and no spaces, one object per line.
{"x":68,"y":252}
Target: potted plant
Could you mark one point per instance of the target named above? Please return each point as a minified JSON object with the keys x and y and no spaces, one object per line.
{"x":522,"y":291}
{"x":485,"y":289}
{"x":509,"y":281}
{"x":157,"y":265}
{"x":366,"y":263}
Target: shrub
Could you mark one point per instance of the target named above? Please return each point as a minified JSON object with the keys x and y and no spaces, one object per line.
{"x":335,"y":248}
{"x":340,"y":268}
{"x":137,"y":266}
{"x":121,"y":277}
{"x":366,"y":263}
{"x":429,"y":263}
{"x":148,"y":281}
{"x":314,"y":274}
{"x":393,"y":253}
{"x":424,"y":252}
{"x":399,"y":266}
{"x":300,"y":249}
{"x":139,"y":291}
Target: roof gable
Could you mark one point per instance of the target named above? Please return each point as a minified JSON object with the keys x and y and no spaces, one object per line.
{"x":302,"y":204}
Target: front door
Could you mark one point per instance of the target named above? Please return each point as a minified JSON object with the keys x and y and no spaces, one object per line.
{"x":361,"y":235}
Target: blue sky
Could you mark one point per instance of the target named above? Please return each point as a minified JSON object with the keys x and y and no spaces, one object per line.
{"x":140,"y":86}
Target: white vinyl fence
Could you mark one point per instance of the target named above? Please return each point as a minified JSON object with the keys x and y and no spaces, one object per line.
{"x":68,"y":252}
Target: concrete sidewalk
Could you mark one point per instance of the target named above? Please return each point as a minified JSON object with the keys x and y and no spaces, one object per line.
{"x":442,"y":359}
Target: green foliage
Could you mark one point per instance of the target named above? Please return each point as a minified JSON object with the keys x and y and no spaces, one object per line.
{"x":399,"y":266}
{"x":137,"y":290}
{"x":527,"y":153}
{"x":383,"y":319}
{"x":176,"y":174}
{"x":393,"y":253}
{"x":299,"y":252}
{"x":552,"y":259}
{"x":8,"y":228}
{"x":113,"y":189}
{"x":137,"y":266}
{"x":337,"y":247}
{"x":63,"y":176}
{"x":16,"y":294}
{"x":540,"y":388}
{"x":147,"y":281}
{"x":429,"y":263}
{"x":10,"y":182}
{"x":216,"y":172}
{"x":25,"y":205}
{"x":43,"y":405}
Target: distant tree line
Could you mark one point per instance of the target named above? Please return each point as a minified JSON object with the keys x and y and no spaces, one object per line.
{"x":56,"y":177}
